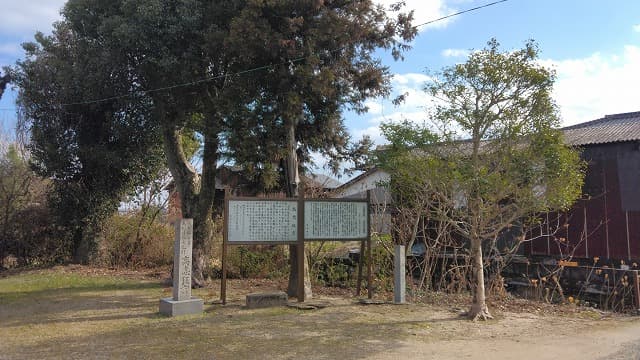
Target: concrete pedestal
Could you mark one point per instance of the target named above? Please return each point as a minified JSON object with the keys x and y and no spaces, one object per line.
{"x":270,"y":299}
{"x":171,"y":307}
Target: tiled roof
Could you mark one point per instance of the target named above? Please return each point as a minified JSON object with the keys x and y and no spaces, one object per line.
{"x":609,"y":129}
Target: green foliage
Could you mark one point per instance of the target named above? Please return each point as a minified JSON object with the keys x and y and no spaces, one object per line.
{"x":497,"y":159}
{"x":4,"y":81}
{"x":321,"y":61}
{"x":330,"y":264}
{"x":257,"y":262}
{"x":94,"y":153}
{"x":382,"y":261}
{"x":178,"y":70}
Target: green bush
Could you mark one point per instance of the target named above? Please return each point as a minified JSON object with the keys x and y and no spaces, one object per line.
{"x":257,"y":261}
{"x":382,"y":253}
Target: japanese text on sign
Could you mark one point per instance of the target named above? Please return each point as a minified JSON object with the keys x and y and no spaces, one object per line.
{"x":262,"y":221}
{"x":335,"y":220}
{"x":182,"y":260}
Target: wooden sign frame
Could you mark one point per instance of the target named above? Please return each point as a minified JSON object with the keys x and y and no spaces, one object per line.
{"x":365,"y":241}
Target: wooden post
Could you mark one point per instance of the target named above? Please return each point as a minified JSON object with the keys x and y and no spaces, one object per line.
{"x":300,"y":244}
{"x":225,"y":235}
{"x":370,"y":256}
{"x":361,"y":258}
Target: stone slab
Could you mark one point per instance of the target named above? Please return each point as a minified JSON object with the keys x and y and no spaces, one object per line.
{"x":270,"y":299}
{"x":171,"y":307}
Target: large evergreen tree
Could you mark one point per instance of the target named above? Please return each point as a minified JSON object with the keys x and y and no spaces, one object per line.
{"x":270,"y":73}
{"x":324,"y":62}
{"x":94,"y":153}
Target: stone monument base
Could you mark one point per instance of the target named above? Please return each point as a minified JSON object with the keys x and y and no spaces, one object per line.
{"x":171,"y":307}
{"x":270,"y":299}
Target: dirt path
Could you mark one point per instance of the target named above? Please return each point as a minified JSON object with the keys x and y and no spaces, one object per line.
{"x":525,"y":336}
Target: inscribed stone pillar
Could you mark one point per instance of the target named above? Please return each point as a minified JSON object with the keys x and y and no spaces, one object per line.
{"x":182,"y":303}
{"x":182,"y":250}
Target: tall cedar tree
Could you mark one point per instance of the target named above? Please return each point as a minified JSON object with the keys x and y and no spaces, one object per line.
{"x":324,"y":59}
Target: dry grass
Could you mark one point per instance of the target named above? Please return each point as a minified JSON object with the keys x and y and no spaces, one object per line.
{"x":78,"y":313}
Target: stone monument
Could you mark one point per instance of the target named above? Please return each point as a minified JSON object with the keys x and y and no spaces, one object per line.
{"x":182,"y":303}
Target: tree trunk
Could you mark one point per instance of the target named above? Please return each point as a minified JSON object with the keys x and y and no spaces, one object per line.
{"x":479,"y":309}
{"x":81,"y":248}
{"x":196,"y":192}
{"x":292,"y":289}
{"x":202,"y":232}
{"x":293,"y":180}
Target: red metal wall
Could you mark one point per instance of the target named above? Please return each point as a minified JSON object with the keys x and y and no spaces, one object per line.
{"x":598,"y":226}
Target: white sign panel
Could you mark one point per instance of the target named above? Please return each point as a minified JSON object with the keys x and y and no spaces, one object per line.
{"x":335,"y":220}
{"x":262,"y":221}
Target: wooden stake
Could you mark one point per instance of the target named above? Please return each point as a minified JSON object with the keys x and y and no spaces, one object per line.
{"x":361,"y":258}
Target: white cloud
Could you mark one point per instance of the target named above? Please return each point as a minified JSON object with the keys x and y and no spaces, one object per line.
{"x":586,"y":89}
{"x":18,"y":18}
{"x":591,"y":87}
{"x":424,"y":11}
{"x":375,"y":107}
{"x":410,"y":78}
{"x":382,"y":110}
{"x":636,"y":28}
{"x":373,"y":131}
{"x":10,"y":49}
{"x":455,"y":53}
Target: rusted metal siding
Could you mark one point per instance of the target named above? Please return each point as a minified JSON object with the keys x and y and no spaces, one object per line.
{"x":605,"y":224}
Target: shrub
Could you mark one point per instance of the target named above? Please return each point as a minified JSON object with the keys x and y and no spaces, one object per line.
{"x":131,"y":240}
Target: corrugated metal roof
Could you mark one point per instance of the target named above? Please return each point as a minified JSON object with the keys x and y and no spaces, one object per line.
{"x":609,"y":129}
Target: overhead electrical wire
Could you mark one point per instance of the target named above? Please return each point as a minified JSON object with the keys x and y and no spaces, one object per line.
{"x":269,"y":66}
{"x":460,"y":13}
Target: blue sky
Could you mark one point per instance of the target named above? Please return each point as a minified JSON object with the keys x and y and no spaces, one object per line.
{"x":593,"y":45}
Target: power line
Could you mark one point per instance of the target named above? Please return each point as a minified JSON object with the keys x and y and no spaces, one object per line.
{"x":461,"y":12}
{"x":270,"y":66}
{"x":195,"y":82}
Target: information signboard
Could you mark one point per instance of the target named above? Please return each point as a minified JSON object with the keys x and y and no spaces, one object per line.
{"x":262,"y":221}
{"x":294,"y":221}
{"x":335,"y":220}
